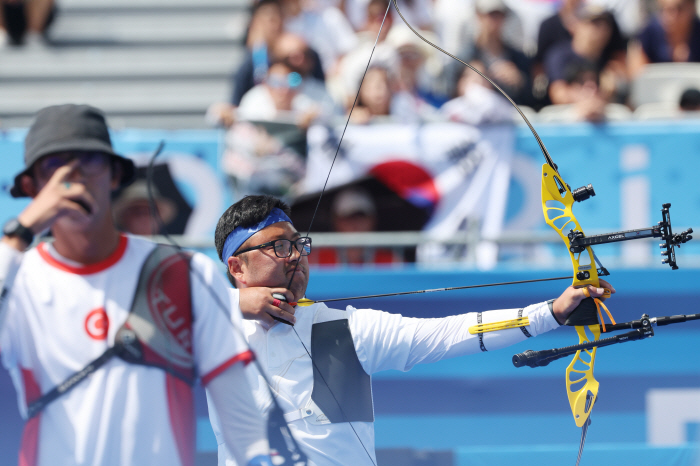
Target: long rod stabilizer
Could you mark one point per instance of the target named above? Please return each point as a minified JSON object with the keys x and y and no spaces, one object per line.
{"x":642,"y":328}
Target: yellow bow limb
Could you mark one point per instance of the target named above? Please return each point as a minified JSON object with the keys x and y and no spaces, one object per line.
{"x":579,"y":377}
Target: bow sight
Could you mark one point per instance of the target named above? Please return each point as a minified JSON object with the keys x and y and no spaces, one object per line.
{"x":579,"y":242}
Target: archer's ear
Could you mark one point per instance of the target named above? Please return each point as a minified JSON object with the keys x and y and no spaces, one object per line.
{"x":236,"y":267}
{"x":28,"y":185}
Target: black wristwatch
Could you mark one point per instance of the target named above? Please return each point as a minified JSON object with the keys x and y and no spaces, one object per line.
{"x":15,"y":229}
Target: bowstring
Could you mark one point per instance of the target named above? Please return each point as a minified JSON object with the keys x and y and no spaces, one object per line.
{"x":313,"y":217}
{"x":342,"y":135}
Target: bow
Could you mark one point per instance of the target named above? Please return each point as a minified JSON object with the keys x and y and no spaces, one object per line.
{"x":557,"y":202}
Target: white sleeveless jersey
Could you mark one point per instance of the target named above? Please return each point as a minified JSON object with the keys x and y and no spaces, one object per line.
{"x":62,"y":316}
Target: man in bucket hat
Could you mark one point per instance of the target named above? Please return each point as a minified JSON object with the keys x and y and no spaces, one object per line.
{"x":104,"y":333}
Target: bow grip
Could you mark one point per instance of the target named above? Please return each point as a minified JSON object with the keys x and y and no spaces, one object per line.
{"x":586,"y":313}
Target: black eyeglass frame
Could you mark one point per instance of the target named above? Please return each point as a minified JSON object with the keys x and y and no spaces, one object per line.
{"x":272,"y":243}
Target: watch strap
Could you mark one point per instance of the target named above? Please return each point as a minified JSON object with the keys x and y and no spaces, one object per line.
{"x":15,"y":229}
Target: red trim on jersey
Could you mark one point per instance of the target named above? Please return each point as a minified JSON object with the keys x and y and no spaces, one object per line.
{"x":87,"y":269}
{"x":32,"y":391}
{"x":182,"y":417}
{"x":29,"y":448}
{"x":244,"y":357}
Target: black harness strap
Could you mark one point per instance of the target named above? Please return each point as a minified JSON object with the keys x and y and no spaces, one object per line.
{"x":36,"y":406}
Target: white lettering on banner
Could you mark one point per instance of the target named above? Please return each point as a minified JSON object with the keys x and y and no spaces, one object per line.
{"x":668,"y":412}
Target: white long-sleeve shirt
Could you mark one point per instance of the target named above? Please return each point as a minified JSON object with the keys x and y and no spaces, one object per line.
{"x":382,"y":341}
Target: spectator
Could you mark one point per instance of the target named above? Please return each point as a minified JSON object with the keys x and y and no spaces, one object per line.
{"x":507,"y":67}
{"x":259,"y":158}
{"x":294,"y":51}
{"x":478,"y":102}
{"x":344,"y":84}
{"x":582,"y":88}
{"x":265,"y":25}
{"x":273,"y":45}
{"x":418,"y":13}
{"x":380,"y":98}
{"x":558,"y":29}
{"x":278,"y":97}
{"x":592,"y":35}
{"x":455,"y":24}
{"x":418,"y":67}
{"x":25,"y":21}
{"x":671,"y":36}
{"x":327,"y":31}
{"x":132,"y":210}
{"x":353,"y":211}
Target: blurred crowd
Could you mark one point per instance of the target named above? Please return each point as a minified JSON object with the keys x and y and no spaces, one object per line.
{"x":305,"y":59}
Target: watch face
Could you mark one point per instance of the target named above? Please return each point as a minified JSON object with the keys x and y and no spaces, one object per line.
{"x":15,"y":229}
{"x":11,"y":227}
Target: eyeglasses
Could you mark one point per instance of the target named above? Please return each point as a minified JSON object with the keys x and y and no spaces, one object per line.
{"x":283,"y":247}
{"x":90,"y":163}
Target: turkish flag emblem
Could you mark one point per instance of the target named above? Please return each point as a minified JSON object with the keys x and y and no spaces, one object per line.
{"x":97,"y":324}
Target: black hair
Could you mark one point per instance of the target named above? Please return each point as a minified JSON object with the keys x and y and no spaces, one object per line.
{"x":579,"y":71}
{"x":245,"y":213}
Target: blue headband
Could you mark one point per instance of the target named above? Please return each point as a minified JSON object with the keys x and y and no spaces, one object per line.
{"x":241,"y":234}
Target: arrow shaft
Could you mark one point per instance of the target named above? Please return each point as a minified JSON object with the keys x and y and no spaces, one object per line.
{"x":452,"y":288}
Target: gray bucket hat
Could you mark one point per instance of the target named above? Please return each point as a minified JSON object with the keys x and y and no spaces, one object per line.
{"x":69,"y":127}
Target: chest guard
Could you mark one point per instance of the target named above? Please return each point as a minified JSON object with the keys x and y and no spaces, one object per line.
{"x":158,"y":331}
{"x":342,"y":389}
